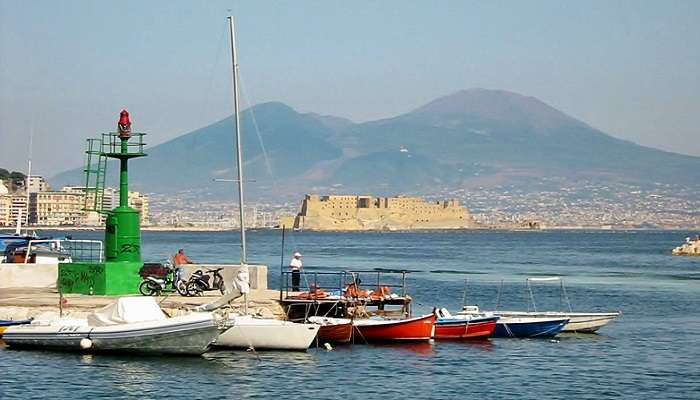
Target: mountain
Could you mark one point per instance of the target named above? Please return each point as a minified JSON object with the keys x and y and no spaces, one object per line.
{"x":279,"y":144}
{"x":471,"y":137}
{"x":478,"y":133}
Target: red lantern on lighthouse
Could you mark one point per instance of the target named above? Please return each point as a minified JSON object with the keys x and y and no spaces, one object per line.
{"x":124,"y":125}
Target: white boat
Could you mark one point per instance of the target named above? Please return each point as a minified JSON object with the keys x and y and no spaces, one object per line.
{"x":579,"y":322}
{"x":691,"y":247}
{"x":251,"y":332}
{"x":129,"y":325}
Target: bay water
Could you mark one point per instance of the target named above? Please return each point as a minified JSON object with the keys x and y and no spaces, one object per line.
{"x":651,"y":351}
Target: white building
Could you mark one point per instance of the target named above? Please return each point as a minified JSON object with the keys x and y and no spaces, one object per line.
{"x":5,"y":208}
{"x":18,"y":207}
{"x":56,"y":208}
{"x":36,"y":183}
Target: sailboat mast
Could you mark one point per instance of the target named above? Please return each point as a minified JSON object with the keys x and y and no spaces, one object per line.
{"x":239,"y":160}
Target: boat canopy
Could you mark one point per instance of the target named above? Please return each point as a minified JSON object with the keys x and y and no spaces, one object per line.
{"x":127,"y":310}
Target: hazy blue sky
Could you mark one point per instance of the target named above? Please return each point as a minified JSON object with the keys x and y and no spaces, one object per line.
{"x":629,"y":68}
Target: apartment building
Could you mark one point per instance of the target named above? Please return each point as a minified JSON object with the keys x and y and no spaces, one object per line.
{"x":56,"y":208}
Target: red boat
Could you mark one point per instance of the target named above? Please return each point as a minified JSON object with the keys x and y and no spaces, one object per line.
{"x":333,"y":330}
{"x":465,"y":328}
{"x":387,"y":330}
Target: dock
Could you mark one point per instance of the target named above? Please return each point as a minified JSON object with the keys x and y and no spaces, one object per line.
{"x":22,"y":303}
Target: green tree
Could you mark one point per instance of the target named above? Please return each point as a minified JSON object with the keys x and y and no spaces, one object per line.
{"x":17,"y":177}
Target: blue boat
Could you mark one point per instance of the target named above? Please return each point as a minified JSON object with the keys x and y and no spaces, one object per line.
{"x":529,"y":327}
{"x":12,"y":322}
{"x":6,"y":323}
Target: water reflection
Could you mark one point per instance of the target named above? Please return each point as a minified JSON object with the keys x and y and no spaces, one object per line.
{"x":409,"y":348}
{"x":485,"y":345}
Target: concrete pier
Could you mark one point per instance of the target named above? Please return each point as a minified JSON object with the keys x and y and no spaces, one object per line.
{"x":21,"y":303}
{"x":40,"y":276}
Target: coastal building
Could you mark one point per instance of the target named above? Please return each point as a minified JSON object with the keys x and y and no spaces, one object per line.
{"x":56,"y":208}
{"x":139,"y":202}
{"x":18,"y":207}
{"x":110,"y":200}
{"x":36,"y":183}
{"x":5,"y":207}
{"x":353,"y":212}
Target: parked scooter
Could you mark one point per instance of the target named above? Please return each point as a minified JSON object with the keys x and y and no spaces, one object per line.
{"x":200,"y":282}
{"x":158,"y":278}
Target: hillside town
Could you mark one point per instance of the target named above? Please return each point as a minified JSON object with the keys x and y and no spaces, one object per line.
{"x":562,"y":205}
{"x":551,"y":204}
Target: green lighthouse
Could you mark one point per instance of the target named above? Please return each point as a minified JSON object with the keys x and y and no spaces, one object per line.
{"x":116,"y":271}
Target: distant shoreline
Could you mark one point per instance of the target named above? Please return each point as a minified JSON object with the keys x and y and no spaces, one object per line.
{"x":215,"y":229}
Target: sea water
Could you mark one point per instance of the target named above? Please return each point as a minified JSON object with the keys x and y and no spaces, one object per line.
{"x":651,"y":351}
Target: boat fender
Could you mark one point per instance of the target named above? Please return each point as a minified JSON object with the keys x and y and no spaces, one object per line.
{"x":328,"y":346}
{"x":85,"y":343}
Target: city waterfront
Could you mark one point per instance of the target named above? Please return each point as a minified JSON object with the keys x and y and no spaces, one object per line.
{"x":650,"y":351}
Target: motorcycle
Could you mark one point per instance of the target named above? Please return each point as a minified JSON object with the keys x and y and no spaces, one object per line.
{"x":201,"y":282}
{"x":158,"y":278}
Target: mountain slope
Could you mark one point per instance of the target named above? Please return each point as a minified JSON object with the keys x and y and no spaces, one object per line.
{"x":505,"y":131}
{"x":470,"y":136}
{"x":292,"y":142}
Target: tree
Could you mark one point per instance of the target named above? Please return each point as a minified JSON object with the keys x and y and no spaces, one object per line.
{"x":17,"y":178}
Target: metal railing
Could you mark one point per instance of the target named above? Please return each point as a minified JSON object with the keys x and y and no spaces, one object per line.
{"x":87,"y":251}
{"x":111,"y":143}
{"x":356,"y":277}
{"x":327,"y":280}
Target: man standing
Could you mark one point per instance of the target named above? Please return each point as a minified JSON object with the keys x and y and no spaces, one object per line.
{"x":296,"y":265}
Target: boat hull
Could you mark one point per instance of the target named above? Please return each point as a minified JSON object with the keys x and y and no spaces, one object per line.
{"x":267,"y":334}
{"x":529,"y":327}
{"x":411,"y":329}
{"x":333,"y":330}
{"x":578,"y":322}
{"x":458,"y":328}
{"x":185,"y":335}
{"x":6,"y":323}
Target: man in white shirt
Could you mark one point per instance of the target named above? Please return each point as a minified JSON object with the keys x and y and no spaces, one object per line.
{"x":296,"y":265}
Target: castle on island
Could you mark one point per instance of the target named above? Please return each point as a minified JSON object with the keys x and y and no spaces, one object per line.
{"x":359,"y":213}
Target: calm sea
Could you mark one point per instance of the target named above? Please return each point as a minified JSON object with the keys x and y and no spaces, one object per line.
{"x":652,"y":351}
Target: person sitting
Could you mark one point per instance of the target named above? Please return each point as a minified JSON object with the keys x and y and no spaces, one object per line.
{"x":315,"y":292}
{"x":353,"y":290}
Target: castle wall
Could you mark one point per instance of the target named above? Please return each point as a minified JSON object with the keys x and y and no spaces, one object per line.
{"x":352,"y":212}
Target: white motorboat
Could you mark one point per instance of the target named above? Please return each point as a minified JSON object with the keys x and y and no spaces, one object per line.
{"x":578,"y":322}
{"x":129,"y":325}
{"x":251,"y":332}
{"x":691,"y":247}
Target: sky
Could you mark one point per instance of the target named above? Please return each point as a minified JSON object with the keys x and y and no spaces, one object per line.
{"x":628,"y":68}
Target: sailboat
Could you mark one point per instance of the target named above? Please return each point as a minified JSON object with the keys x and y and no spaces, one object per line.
{"x":248,"y":331}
